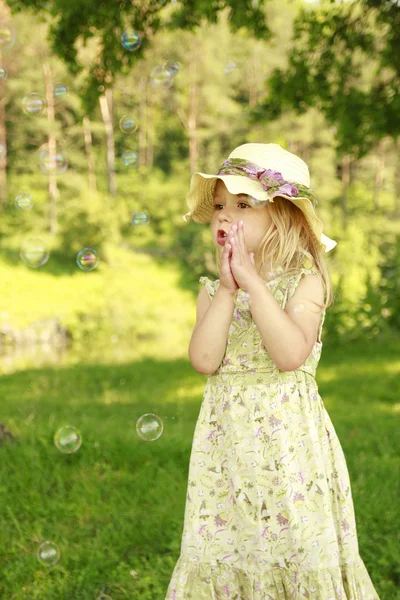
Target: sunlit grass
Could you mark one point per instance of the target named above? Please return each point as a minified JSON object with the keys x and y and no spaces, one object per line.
{"x":116,"y":506}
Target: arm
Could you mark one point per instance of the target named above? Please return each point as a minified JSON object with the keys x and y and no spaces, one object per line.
{"x":283,"y":339}
{"x":208,"y":342}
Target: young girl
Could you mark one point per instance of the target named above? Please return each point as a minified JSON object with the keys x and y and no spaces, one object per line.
{"x":269,"y":511}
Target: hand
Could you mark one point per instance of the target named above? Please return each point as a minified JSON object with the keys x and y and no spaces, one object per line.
{"x":242,"y":261}
{"x":226,"y":279}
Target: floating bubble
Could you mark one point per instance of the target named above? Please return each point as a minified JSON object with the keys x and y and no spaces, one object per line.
{"x":68,"y":439}
{"x":56,"y":163}
{"x":140,"y":218}
{"x":149,"y":427}
{"x":130,"y":158}
{"x":7,"y":36}
{"x":131,"y":40}
{"x":172,"y":66}
{"x":230,"y":66}
{"x":3,"y":151}
{"x":48,"y":554}
{"x":3,"y":73}
{"x":128,"y":124}
{"x":255,"y":203}
{"x":60,"y":90}
{"x":34,"y":253}
{"x":161,"y":77}
{"x":33,"y":104}
{"x":24,"y":201}
{"x":87,"y":259}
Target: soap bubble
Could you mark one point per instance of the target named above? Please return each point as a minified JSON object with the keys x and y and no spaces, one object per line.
{"x":34,"y":253}
{"x":48,"y":163}
{"x":161,"y":77}
{"x":128,"y":124}
{"x":130,"y":158}
{"x":255,"y":203}
{"x":68,"y":439}
{"x":131,"y":40}
{"x":3,"y":73}
{"x":172,"y":66}
{"x":48,"y":554}
{"x":7,"y":36}
{"x":33,"y":104}
{"x":140,"y":218}
{"x":24,"y":201}
{"x":60,"y":90}
{"x":3,"y":151}
{"x":87,"y":259}
{"x":149,"y":427}
{"x":230,"y":66}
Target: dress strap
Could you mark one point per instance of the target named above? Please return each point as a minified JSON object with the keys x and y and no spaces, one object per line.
{"x":209,"y":285}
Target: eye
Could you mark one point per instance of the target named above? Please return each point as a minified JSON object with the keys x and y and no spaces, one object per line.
{"x":216,"y":205}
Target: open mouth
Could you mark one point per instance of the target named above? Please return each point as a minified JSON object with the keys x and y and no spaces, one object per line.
{"x":221,"y":236}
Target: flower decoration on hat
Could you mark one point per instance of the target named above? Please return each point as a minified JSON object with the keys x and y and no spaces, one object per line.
{"x":272,"y":182}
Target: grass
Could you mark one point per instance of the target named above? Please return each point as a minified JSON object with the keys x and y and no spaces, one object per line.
{"x":115,"y":507}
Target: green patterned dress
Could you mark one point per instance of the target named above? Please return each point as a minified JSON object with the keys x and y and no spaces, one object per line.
{"x":269,"y":512}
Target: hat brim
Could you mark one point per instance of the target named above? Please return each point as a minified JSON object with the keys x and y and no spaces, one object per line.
{"x":201,"y":193}
{"x":200,"y":200}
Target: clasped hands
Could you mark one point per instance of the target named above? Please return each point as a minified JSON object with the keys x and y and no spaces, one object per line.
{"x":242,"y":261}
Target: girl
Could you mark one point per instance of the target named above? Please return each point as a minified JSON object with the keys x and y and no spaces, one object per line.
{"x":269,"y":511}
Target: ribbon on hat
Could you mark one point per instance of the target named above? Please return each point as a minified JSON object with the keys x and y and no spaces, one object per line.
{"x":271,"y":181}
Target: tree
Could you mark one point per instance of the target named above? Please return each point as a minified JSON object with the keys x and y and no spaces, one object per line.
{"x":73,"y":23}
{"x":344,"y":60}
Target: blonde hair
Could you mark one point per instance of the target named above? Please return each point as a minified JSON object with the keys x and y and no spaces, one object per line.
{"x":288,"y":245}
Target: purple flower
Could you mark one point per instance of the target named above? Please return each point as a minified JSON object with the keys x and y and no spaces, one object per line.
{"x":288,"y":189}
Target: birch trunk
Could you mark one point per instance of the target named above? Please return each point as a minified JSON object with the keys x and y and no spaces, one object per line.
{"x":54,"y":192}
{"x":89,"y":154}
{"x":106,"y":113}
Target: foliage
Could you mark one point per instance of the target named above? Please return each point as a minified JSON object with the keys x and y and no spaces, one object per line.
{"x":76,"y":22}
{"x":345,"y":61}
{"x":363,"y":269}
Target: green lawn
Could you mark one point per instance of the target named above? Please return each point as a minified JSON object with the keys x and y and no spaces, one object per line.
{"x":117,"y":504}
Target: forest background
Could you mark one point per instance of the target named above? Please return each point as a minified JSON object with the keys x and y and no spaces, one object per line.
{"x":282,"y":72}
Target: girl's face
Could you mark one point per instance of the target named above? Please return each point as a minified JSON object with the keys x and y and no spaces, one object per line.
{"x":230,"y":208}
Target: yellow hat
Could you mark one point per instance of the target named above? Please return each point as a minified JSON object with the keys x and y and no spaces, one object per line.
{"x":262,"y":171}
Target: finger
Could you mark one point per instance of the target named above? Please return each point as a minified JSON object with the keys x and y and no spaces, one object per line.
{"x":241,"y":236}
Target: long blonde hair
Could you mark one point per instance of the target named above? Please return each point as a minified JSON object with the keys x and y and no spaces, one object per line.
{"x":288,"y":245}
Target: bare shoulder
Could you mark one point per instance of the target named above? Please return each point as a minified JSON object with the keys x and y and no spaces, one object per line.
{"x":309,"y":288}
{"x":305,"y":308}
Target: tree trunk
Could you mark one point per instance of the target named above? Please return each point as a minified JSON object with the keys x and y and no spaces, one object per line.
{"x":251,"y":73}
{"x":396,"y":213}
{"x":346,"y":162}
{"x":106,"y":113}
{"x":54,"y":192}
{"x":142,"y":123}
{"x":380,"y":165}
{"x":150,"y":127}
{"x":89,"y":154}
{"x":192,"y":127}
{"x":3,"y":141}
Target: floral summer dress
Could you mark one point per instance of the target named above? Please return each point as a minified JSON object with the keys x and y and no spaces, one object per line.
{"x":269,"y":512}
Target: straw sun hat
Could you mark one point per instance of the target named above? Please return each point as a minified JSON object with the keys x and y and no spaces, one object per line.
{"x":262,"y":171}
